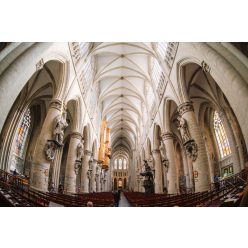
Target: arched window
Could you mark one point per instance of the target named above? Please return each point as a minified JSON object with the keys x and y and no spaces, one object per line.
{"x":22,"y":135}
{"x":124,"y":164}
{"x":115,"y":167}
{"x":221,"y":137}
{"x":120,"y":163}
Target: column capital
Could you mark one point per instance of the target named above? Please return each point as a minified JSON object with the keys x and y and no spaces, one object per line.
{"x":185,"y":107}
{"x":56,"y":103}
{"x":77,"y":135}
{"x":167,"y":135}
{"x":88,"y":153}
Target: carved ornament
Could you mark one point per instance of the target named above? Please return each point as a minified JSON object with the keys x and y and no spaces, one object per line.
{"x":77,"y":166}
{"x":185,"y":107}
{"x":40,"y":65}
{"x":49,"y":150}
{"x":205,"y":66}
{"x":191,"y":149}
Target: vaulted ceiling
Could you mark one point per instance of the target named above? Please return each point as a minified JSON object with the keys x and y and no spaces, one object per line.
{"x":123,"y":74}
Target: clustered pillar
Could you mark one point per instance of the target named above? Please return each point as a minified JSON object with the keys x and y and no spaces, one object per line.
{"x":200,"y":164}
{"x":40,"y":165}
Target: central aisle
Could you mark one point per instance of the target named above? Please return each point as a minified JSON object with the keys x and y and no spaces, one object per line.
{"x":123,"y":201}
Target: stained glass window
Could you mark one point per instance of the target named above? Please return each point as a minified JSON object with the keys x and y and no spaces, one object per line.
{"x":22,"y":134}
{"x":115,"y":164}
{"x":221,"y":137}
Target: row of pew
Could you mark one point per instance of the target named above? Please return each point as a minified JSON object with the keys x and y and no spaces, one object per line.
{"x":229,"y":186}
{"x":15,"y":191}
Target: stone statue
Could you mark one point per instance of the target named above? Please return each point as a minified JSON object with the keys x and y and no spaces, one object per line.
{"x":164,"y":159}
{"x":60,"y":124}
{"x":90,"y":170}
{"x":183,"y":127}
{"x":162,"y":150}
{"x":80,"y":150}
{"x":97,"y":173}
{"x":191,"y":149}
{"x":148,"y":182}
{"x":77,"y":167}
{"x":49,"y":150}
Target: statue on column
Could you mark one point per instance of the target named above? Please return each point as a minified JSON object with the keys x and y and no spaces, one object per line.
{"x":149,"y":181}
{"x":49,"y":150}
{"x":77,"y":167}
{"x":80,"y":150}
{"x":89,"y":172}
{"x":189,"y":143}
{"x":183,"y":127}
{"x":164,"y":159}
{"x":60,"y":124}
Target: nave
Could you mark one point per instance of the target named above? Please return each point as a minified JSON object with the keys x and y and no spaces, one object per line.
{"x":162,"y":122}
{"x":15,"y":192}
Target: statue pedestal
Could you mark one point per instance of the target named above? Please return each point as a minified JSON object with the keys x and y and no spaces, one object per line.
{"x":56,"y":143}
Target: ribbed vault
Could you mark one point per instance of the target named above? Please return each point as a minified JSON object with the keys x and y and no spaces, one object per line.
{"x":123,"y":74}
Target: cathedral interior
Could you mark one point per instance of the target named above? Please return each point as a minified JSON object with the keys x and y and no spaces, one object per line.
{"x":123,"y":124}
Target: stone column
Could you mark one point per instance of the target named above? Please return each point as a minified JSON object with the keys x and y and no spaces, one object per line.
{"x":70,"y":173}
{"x":158,"y":171}
{"x":199,"y":158}
{"x":40,"y":165}
{"x":172,"y":185}
{"x":85,"y":167}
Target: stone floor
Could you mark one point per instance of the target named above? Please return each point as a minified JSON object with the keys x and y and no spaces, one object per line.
{"x":123,"y":201}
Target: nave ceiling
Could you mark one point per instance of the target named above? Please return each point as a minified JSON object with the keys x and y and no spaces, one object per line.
{"x":123,"y":72}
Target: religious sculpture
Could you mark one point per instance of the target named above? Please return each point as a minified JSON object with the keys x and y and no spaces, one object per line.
{"x":191,"y":149}
{"x":205,"y":66}
{"x":183,"y":127}
{"x":80,"y":150}
{"x":89,"y":172}
{"x":148,"y":181}
{"x":97,"y":174}
{"x":164,"y":159}
{"x":49,"y":150}
{"x":60,"y":124}
{"x":188,"y":143}
{"x":77,"y":167}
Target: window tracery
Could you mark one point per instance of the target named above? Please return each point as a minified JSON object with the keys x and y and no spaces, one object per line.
{"x":22,"y":134}
{"x":221,"y":137}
